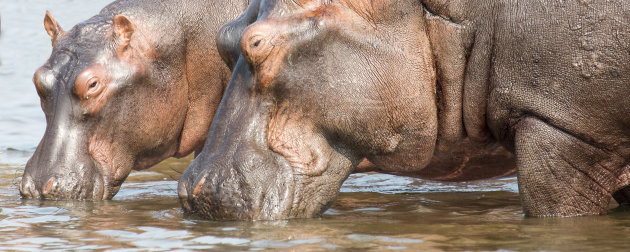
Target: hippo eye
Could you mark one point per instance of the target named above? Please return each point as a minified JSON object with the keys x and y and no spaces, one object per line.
{"x":92,"y":83}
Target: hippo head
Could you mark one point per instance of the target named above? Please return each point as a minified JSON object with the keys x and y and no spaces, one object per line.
{"x":110,"y":107}
{"x":318,"y":86}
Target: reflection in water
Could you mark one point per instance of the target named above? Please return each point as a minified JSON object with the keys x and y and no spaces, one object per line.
{"x":374,"y":212}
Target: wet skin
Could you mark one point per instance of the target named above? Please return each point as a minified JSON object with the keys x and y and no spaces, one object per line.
{"x":444,"y":90}
{"x":123,"y":90}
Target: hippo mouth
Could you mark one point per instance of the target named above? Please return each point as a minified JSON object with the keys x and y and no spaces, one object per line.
{"x":238,"y":189}
{"x":55,"y":189}
{"x":89,"y":184}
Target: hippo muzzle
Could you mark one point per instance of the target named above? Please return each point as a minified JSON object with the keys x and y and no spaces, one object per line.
{"x":72,"y":174}
{"x":231,"y":189}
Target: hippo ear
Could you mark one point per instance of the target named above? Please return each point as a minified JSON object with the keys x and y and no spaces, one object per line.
{"x":52,"y":28}
{"x":123,"y":29}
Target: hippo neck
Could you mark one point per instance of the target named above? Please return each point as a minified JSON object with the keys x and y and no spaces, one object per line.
{"x":461,"y":36}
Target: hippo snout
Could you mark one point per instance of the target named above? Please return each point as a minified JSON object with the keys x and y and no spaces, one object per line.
{"x":55,"y":188}
{"x":29,"y":190}
{"x":193,"y":201}
{"x":37,"y":184}
{"x":235,"y":186}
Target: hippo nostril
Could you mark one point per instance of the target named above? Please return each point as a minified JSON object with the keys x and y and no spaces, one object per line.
{"x":49,"y":186}
{"x":198,"y":187}
{"x":257,"y":43}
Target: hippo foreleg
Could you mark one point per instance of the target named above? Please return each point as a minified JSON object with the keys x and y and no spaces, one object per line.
{"x":561,"y":175}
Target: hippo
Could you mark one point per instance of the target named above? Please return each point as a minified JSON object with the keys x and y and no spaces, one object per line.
{"x":136,"y":84}
{"x":436,"y":89}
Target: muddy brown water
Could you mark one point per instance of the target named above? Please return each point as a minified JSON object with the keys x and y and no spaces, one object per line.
{"x":374,"y":211}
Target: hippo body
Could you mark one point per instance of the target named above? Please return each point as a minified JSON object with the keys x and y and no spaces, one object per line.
{"x":445,"y":90}
{"x":125,"y":89}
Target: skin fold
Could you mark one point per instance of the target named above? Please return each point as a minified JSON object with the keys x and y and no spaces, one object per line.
{"x":135,"y":84}
{"x":444,"y":90}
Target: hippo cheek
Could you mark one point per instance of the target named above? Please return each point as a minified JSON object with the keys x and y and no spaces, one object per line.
{"x":113,"y":163}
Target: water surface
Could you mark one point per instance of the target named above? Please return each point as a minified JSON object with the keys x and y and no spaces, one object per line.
{"x":374,"y":212}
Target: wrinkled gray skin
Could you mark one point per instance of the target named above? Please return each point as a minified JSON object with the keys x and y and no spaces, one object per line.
{"x":407,"y":84}
{"x":125,"y":89}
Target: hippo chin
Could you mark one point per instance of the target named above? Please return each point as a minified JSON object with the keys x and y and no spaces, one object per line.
{"x":443,"y":90}
{"x":125,"y":89}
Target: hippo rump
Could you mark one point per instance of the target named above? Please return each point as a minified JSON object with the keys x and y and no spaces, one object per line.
{"x":125,"y":89}
{"x":424,"y":88}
